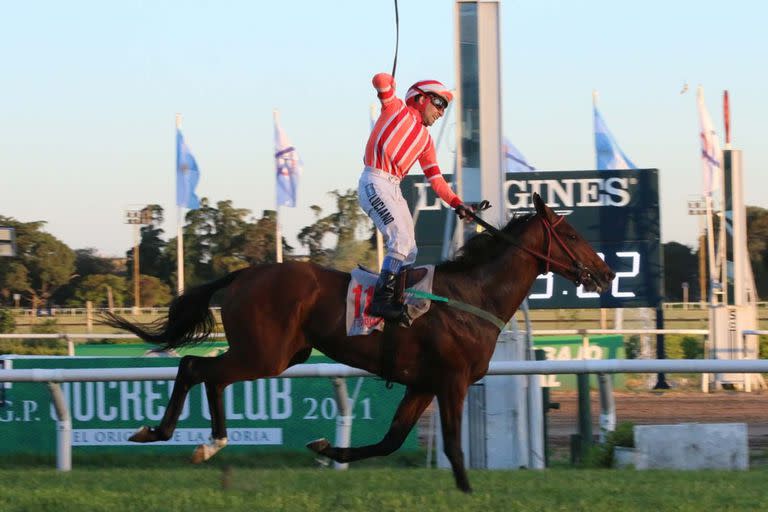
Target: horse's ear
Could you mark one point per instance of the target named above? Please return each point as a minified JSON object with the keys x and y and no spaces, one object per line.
{"x":542,"y":208}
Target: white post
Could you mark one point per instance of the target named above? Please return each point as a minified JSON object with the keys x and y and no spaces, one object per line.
{"x":607,"y":406}
{"x":343,"y":420}
{"x":89,"y":316}
{"x":63,"y":428}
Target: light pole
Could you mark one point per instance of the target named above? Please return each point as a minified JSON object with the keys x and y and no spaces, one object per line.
{"x":137,"y":218}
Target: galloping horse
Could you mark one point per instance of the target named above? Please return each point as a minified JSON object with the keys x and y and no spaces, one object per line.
{"x":275,"y":314}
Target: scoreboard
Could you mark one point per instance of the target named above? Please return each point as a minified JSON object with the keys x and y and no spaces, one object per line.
{"x":616,"y":211}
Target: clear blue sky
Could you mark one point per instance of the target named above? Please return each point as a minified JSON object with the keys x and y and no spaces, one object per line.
{"x":89,"y":91}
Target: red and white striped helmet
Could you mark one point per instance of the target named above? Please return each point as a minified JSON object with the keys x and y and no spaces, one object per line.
{"x":428,"y":86}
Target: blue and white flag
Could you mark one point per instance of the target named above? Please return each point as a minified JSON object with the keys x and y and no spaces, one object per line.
{"x":287,"y":166}
{"x":711,"y":153}
{"x":187,"y":175}
{"x":609,"y":155}
{"x":514,"y":161}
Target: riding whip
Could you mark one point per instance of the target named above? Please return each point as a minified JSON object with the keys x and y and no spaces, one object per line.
{"x":397,"y":39}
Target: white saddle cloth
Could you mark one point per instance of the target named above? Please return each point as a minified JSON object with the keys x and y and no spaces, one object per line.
{"x":360,"y":293}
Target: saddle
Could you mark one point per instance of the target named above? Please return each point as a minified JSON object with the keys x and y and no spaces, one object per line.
{"x":360,"y":292}
{"x":413,"y":276}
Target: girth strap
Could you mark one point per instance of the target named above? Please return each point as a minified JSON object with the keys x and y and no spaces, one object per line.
{"x":463,"y":306}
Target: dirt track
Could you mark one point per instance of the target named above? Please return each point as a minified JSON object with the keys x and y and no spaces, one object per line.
{"x":668,"y":407}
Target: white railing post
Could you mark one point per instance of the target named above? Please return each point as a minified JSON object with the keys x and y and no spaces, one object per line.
{"x":63,"y":428}
{"x":607,"y":406}
{"x":343,"y":420}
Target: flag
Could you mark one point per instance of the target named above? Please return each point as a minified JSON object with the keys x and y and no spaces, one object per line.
{"x":514,"y":161}
{"x":609,"y":155}
{"x":287,"y":166}
{"x":187,"y":175}
{"x":711,"y":154}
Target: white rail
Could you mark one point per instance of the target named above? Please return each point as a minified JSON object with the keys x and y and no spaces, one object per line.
{"x":340,"y":370}
{"x":64,"y":429}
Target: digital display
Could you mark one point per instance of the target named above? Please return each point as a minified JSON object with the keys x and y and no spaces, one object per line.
{"x":616,"y":211}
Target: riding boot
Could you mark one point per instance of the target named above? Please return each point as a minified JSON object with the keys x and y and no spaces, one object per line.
{"x":382,"y":304}
{"x":402,"y":279}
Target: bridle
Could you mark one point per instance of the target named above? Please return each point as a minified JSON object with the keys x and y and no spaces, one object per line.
{"x":582,"y":272}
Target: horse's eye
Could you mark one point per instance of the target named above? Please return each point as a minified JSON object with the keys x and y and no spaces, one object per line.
{"x":572,"y":237}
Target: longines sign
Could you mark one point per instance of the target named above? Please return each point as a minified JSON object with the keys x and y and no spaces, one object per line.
{"x":617,"y":211}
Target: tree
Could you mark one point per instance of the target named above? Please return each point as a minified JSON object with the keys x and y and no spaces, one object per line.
{"x":154,"y":292}
{"x":214,"y":240}
{"x":348,"y":224}
{"x":757,"y":244}
{"x":259,"y":240}
{"x":96,"y":288}
{"x":87,"y":263}
{"x":151,"y":247}
{"x":680,"y":266}
{"x":42,"y":265}
{"x":7,"y":324}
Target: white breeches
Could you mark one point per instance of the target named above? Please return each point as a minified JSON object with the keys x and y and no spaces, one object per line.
{"x":382,"y":200}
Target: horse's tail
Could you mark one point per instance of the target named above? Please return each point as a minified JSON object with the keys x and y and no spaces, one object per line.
{"x":189,"y":318}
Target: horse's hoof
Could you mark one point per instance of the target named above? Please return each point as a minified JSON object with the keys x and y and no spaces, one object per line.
{"x":143,"y":435}
{"x":319,"y":445}
{"x":203,"y":452}
{"x":198,"y":456}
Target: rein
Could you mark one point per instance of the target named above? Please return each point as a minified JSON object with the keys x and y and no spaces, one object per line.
{"x":463,"y":306}
{"x":549,"y":229}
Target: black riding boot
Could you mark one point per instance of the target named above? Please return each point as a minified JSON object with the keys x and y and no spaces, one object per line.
{"x":383,"y":303}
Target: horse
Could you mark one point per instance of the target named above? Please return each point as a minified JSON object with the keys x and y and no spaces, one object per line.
{"x":275,"y":314}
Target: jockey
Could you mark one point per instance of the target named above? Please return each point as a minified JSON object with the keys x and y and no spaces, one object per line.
{"x":398,"y":139}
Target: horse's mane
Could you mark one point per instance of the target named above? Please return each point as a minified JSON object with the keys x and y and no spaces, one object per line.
{"x":483,"y":247}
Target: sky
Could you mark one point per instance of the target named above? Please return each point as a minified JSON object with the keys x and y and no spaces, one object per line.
{"x":90,"y":89}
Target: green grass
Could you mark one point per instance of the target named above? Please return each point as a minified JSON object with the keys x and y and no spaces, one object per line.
{"x":306,"y":490}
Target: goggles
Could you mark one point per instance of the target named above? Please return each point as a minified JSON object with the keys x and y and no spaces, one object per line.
{"x":438,"y":101}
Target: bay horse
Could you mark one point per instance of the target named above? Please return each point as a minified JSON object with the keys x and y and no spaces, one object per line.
{"x":275,"y":314}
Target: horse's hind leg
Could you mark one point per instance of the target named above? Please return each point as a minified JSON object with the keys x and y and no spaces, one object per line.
{"x":217,"y":373}
{"x":408,"y":412}
{"x":187,"y":376}
{"x":203,"y":452}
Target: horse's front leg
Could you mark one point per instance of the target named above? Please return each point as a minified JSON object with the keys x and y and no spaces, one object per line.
{"x":451,"y":401}
{"x":187,"y":376}
{"x":408,"y":412}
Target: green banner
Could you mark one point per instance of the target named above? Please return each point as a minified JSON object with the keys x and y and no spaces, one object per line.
{"x":568,"y":348}
{"x":277,"y":414}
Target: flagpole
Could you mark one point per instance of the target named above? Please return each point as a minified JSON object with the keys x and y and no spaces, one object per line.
{"x":179,"y":234}
{"x":278,"y":237}
{"x":618,"y":314}
{"x":713,"y":263}
{"x":278,"y":233}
